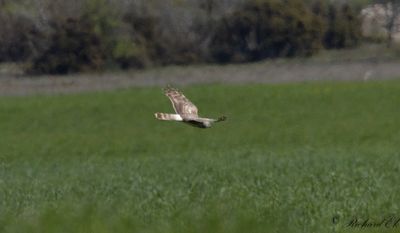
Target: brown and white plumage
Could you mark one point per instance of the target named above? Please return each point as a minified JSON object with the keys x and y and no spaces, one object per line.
{"x":185,"y":110}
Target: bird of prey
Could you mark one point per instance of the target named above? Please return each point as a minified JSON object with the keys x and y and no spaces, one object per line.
{"x":185,"y":111}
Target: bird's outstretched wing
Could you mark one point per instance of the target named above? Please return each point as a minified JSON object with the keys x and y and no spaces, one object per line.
{"x":181,"y":104}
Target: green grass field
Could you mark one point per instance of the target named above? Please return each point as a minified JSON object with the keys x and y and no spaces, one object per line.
{"x":289,"y":159}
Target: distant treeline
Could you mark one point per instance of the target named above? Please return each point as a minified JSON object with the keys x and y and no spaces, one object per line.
{"x":59,"y":37}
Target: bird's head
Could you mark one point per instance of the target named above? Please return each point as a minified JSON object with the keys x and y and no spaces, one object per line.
{"x":222,"y":118}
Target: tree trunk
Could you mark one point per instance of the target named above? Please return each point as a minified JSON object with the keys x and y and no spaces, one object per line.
{"x":394,"y":8}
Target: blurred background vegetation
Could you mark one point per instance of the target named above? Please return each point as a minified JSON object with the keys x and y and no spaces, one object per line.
{"x":61,"y":37}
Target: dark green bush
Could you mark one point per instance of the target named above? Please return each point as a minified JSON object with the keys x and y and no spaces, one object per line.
{"x":18,"y":37}
{"x":74,"y":47}
{"x":266,"y":29}
{"x":102,"y":34}
{"x":341,"y":25}
{"x":127,"y":53}
{"x":79,"y":44}
{"x":160,"y":42}
{"x":149,"y":48}
{"x":96,"y":40}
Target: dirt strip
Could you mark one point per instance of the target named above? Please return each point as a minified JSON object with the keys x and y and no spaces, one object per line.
{"x":263,"y":72}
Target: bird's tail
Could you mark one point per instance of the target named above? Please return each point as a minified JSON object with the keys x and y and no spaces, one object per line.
{"x":168,"y":116}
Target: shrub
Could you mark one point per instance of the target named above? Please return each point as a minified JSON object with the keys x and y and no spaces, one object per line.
{"x":164,"y":39}
{"x":79,"y":44}
{"x":19,"y":37}
{"x":148,"y":48}
{"x":74,"y":47}
{"x":86,"y":35}
{"x":266,"y":29}
{"x":341,"y":25}
{"x":127,"y":54}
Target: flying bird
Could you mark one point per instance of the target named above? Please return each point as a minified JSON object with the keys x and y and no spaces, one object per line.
{"x":185,"y":110}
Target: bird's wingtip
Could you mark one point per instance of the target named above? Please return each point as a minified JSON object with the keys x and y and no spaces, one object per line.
{"x":169,"y":88}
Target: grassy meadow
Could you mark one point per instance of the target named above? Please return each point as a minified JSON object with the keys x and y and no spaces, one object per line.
{"x":290,"y":158}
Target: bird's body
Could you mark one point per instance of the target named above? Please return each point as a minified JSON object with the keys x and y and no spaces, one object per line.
{"x":185,"y":110}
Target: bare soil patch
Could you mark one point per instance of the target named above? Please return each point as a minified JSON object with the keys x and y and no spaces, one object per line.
{"x":277,"y":71}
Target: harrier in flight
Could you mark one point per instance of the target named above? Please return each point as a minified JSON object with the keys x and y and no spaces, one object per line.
{"x":185,"y":111}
